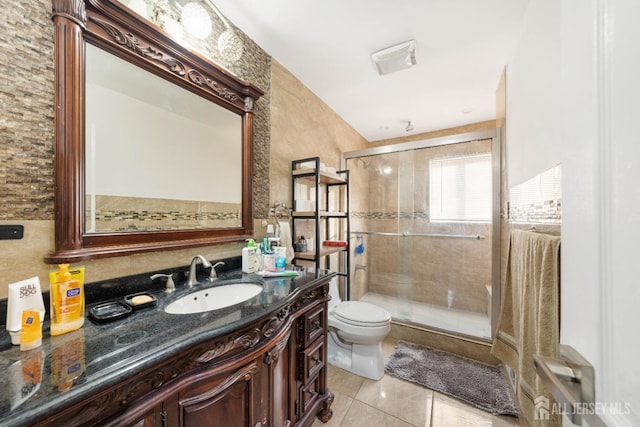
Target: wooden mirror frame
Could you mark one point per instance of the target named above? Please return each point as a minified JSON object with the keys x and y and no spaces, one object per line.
{"x":112,"y":27}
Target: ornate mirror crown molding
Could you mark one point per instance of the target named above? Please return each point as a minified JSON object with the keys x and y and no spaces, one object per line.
{"x":72,"y":9}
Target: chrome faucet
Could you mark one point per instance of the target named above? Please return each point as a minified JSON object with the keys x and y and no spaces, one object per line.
{"x":193,"y":280}
{"x":214,"y":275}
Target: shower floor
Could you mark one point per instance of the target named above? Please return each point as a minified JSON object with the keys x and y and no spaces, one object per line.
{"x":449,"y":319}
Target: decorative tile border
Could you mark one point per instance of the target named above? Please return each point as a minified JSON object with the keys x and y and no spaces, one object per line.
{"x":547,"y":211}
{"x":539,"y":199}
{"x":116,"y":214}
{"x":390,"y":215}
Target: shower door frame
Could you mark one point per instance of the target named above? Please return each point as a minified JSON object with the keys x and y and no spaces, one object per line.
{"x":496,"y":162}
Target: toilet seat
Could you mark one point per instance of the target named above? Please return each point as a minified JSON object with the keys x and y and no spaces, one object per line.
{"x":362,"y":314}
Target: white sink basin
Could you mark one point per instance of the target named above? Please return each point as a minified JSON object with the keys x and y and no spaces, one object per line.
{"x":214,"y":298}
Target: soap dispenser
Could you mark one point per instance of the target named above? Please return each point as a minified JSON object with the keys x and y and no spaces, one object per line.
{"x":67,"y":300}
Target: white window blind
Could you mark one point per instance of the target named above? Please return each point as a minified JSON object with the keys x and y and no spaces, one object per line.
{"x":460,"y":188}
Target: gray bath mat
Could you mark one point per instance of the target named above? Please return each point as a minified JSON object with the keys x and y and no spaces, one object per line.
{"x":480,"y":385}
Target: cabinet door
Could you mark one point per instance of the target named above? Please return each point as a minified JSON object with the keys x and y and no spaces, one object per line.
{"x":226,"y":400}
{"x":277,"y":383}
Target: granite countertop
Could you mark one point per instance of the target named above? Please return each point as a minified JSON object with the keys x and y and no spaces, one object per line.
{"x":69,"y":367}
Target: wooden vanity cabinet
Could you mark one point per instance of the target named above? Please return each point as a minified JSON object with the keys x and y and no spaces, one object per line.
{"x":311,"y":352}
{"x":270,"y":373}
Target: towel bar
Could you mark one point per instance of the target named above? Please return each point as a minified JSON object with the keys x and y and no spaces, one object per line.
{"x":571,"y":381}
{"x":409,"y":234}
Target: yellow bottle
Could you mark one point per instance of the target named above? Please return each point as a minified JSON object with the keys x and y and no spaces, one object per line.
{"x":67,"y":299}
{"x":31,"y":332}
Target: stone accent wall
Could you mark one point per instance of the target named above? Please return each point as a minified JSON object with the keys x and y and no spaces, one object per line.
{"x":26,"y":124}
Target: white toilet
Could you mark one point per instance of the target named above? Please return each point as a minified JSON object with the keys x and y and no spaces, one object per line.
{"x":356,"y":331}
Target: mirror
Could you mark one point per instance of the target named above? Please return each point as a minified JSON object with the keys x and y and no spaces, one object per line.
{"x":157,"y":157}
{"x":153,"y":141}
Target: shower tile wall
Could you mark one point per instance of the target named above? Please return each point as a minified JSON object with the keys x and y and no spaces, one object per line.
{"x":448,"y":272}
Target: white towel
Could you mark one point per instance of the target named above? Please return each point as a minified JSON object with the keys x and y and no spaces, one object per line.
{"x":284,"y":232}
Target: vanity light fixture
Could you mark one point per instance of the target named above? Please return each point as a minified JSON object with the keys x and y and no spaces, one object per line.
{"x":230,"y":45}
{"x":173,"y":27}
{"x":395,"y":58}
{"x":196,"y":20}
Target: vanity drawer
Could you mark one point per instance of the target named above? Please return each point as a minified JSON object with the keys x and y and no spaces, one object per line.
{"x":314,"y":325}
{"x":308,"y":394}
{"x":313,"y":360}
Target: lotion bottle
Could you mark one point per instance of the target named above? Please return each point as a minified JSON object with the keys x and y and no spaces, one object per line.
{"x":67,"y":300}
{"x":249,"y":257}
{"x":23,"y":295}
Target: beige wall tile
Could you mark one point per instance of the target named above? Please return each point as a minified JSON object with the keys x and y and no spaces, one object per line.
{"x":302,"y":126}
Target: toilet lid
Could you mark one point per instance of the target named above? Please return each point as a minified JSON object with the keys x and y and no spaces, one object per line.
{"x":362,"y":314}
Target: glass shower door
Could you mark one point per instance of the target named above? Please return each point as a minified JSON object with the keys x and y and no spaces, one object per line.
{"x":422,"y":235}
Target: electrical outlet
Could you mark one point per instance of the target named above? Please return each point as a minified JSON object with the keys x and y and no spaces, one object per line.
{"x":11,"y":232}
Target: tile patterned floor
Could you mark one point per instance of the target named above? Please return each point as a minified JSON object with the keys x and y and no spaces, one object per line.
{"x":392,"y":402}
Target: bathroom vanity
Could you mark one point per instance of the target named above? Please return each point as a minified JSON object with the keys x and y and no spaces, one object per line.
{"x":258,"y":363}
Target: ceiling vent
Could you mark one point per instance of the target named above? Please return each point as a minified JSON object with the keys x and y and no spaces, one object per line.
{"x":395,"y":58}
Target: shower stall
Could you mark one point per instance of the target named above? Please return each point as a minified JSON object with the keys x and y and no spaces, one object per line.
{"x":425,"y":231}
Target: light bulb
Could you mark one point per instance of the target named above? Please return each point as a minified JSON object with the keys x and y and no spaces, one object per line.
{"x":173,"y":27}
{"x":196,"y":20}
{"x":230,"y":45}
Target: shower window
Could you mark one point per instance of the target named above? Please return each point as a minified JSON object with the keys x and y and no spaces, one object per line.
{"x":459,"y":187}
